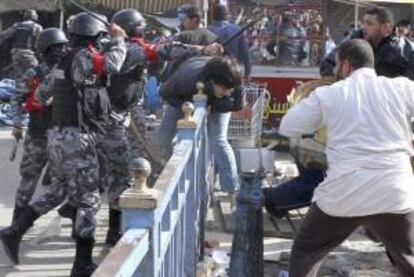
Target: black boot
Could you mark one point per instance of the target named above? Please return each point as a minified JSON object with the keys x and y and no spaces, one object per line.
{"x":83,"y":265}
{"x":114,"y":231}
{"x":12,"y":236}
{"x":17,"y":211}
{"x":68,"y":211}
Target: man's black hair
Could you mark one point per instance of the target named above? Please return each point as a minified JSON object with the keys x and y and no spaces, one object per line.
{"x":358,"y":52}
{"x":191,"y":11}
{"x":383,"y":15}
{"x":221,"y":13}
{"x":403,"y":23}
{"x":223,"y":71}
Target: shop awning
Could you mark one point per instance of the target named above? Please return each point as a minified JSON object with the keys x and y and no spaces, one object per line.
{"x":166,"y":22}
{"x":19,"y":5}
{"x":373,"y":2}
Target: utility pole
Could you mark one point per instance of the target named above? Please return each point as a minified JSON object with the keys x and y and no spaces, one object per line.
{"x":61,"y":14}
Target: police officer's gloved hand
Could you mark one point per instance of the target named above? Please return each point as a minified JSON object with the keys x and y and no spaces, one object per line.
{"x":17,"y":132}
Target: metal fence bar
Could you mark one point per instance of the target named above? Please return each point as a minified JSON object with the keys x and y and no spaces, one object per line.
{"x":246,"y":125}
{"x":131,"y":249}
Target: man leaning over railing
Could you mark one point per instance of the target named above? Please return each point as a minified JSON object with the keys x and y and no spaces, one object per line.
{"x":222,"y":80}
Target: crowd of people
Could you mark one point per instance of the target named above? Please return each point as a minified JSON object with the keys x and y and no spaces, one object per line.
{"x":285,"y":36}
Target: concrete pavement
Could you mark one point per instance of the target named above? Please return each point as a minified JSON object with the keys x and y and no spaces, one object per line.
{"x":47,"y":249}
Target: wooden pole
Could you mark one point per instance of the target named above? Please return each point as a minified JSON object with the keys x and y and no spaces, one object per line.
{"x":356,"y":14}
{"x":61,"y":14}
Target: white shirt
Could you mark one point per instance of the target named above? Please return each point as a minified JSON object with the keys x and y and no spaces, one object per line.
{"x":369,"y":143}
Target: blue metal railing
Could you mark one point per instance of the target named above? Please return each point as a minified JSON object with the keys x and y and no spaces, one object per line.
{"x":163,"y":226}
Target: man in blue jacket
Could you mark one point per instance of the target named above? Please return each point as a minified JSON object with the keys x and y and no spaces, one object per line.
{"x":238,"y":48}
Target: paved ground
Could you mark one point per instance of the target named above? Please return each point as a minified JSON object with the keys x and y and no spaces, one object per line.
{"x":48,"y":250}
{"x":356,"y":257}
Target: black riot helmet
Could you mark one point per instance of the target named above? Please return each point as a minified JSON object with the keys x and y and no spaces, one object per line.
{"x":86,"y":25}
{"x":130,"y":20}
{"x":49,"y":37}
{"x":30,"y":15}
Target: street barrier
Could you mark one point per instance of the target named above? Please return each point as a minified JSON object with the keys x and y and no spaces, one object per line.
{"x":164,"y":226}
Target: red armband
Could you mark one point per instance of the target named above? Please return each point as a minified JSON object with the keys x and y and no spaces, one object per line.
{"x":150,"y":50}
{"x":31,"y":104}
{"x":98,"y":61}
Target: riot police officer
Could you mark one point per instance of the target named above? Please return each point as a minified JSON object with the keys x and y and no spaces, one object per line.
{"x":51,"y":44}
{"x":23,"y":36}
{"x":80,"y":111}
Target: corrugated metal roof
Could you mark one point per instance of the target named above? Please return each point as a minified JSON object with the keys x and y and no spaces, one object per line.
{"x":18,"y":5}
{"x":166,"y":22}
{"x":145,"y":6}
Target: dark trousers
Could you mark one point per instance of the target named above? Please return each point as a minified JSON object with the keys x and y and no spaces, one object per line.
{"x":319,"y":233}
{"x":294,"y":193}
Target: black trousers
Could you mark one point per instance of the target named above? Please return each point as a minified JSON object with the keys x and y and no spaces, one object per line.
{"x":319,"y":233}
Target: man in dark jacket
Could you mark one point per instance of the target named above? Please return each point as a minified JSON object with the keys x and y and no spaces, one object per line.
{"x":238,"y":48}
{"x":377,"y":25}
{"x":222,"y":80}
{"x":291,"y":42}
{"x":192,"y":33}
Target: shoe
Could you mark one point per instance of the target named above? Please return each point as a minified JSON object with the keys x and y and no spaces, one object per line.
{"x":83,"y":265}
{"x":12,"y":236}
{"x":114,"y":230}
{"x":16,"y":212}
{"x":11,"y":241}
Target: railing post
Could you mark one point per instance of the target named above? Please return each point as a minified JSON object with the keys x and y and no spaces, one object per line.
{"x":186,"y":126}
{"x":163,"y":226}
{"x":139,"y":196}
{"x":186,"y":129}
{"x":200,"y":101}
{"x":138,"y":204}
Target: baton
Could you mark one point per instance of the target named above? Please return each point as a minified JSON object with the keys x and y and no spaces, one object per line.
{"x":88,"y":11}
{"x":12,"y":155}
{"x":241,"y":31}
{"x":140,"y":138}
